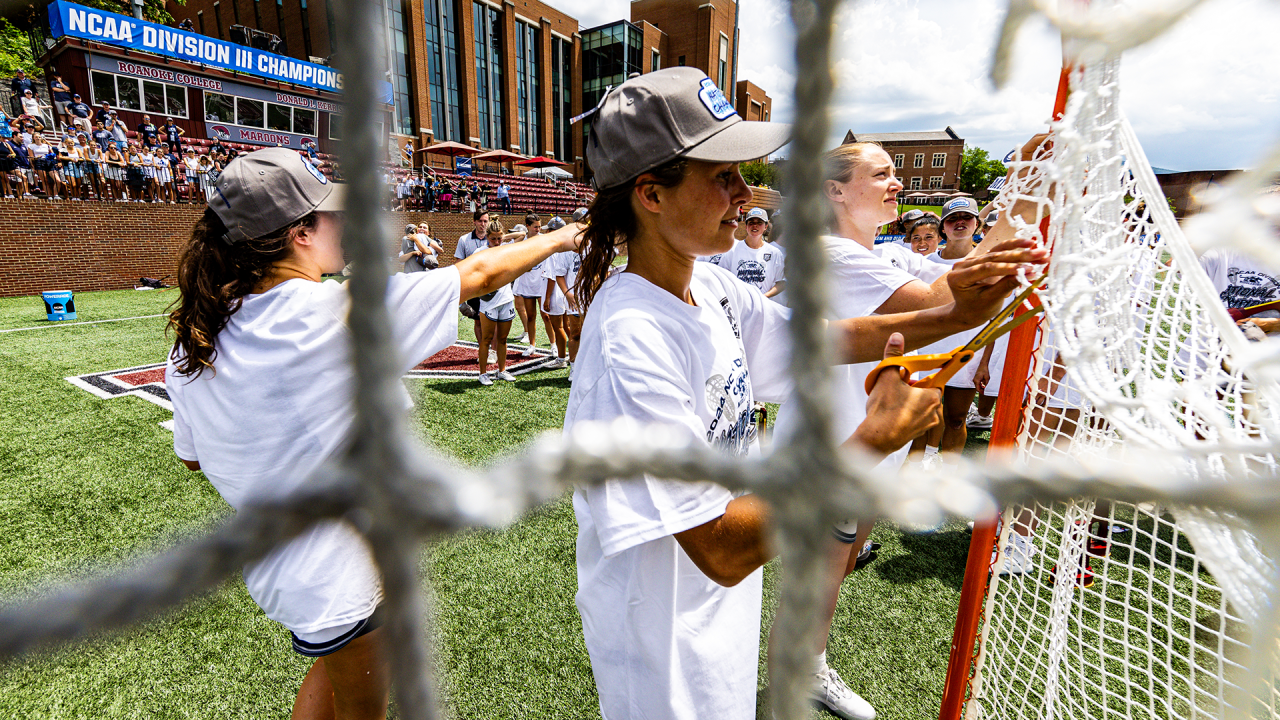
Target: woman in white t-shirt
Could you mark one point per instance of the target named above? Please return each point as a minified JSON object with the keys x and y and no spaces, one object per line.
{"x":556,"y":306}
{"x":497,"y":310}
{"x":561,"y":272}
{"x":669,"y":575}
{"x":528,"y":289}
{"x":261,"y":382}
{"x":868,"y":279}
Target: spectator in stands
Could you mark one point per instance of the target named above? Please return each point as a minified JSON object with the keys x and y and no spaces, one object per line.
{"x":446,"y":195}
{"x":6,"y":125}
{"x":43,"y":159}
{"x":164,"y":175}
{"x":69,"y":159}
{"x":207,"y":171}
{"x":216,"y":147}
{"x":148,"y":132}
{"x":61,"y":93}
{"x":175,"y":135}
{"x":92,"y":165}
{"x":22,"y":163}
{"x":114,"y":165}
{"x":6,"y":168}
{"x":102,"y":136}
{"x":103,"y":114}
{"x":31,"y":105}
{"x":19,"y":85}
{"x":190,"y":168}
{"x":135,"y":175}
{"x":121,"y":133}
{"x":503,"y":194}
{"x":481,"y":195}
{"x":80,"y":114}
{"x":310,"y":146}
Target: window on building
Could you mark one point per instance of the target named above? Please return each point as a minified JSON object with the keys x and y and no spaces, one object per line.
{"x":766,"y":116}
{"x":939,"y":159}
{"x":723,"y":68}
{"x":218,"y":107}
{"x":397,"y":46}
{"x":609,"y":55}
{"x":335,"y":127}
{"x":527,"y":88}
{"x":442,"y":68}
{"x":915,"y":183}
{"x":130,"y":93}
{"x":250,"y":113}
{"x":680,"y":61}
{"x":279,"y":118}
{"x":655,"y":60}
{"x":897,"y":160}
{"x":919,"y":161}
{"x":935,"y":182}
{"x":304,"y":121}
{"x":561,"y":95}
{"x":487,"y":24}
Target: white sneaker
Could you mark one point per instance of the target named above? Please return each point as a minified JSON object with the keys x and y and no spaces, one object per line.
{"x":504,"y":375}
{"x":1019,"y":557}
{"x":830,"y":692}
{"x":570,"y":372}
{"x":485,"y":379}
{"x":527,"y":351}
{"x":557,"y":364}
{"x":976,"y":421}
{"x":493,"y":356}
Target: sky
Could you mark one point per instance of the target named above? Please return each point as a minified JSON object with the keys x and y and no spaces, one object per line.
{"x":1205,"y":96}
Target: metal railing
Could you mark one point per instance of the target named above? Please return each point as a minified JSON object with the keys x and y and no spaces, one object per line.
{"x":396,"y":492}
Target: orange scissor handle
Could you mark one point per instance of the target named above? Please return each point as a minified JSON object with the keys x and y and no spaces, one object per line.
{"x":948,"y":364}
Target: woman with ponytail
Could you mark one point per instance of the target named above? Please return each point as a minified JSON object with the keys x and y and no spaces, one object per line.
{"x":261,"y":383}
{"x":669,"y":580}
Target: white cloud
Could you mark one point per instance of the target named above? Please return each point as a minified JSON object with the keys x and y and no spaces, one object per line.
{"x":1202,"y":97}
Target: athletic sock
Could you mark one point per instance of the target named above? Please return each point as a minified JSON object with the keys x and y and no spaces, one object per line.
{"x":930,"y":450}
{"x":821,"y":662}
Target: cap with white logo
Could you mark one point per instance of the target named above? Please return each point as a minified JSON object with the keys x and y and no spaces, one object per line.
{"x":667,"y":114}
{"x":960,"y":205}
{"x":758,"y":213}
{"x":263,"y":191}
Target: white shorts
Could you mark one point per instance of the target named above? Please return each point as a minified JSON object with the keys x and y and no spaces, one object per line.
{"x":557,"y":305}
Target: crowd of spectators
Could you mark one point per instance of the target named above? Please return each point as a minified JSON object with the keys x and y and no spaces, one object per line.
{"x":426,"y":190}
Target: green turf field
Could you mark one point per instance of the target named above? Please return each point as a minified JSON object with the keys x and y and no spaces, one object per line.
{"x":88,"y":485}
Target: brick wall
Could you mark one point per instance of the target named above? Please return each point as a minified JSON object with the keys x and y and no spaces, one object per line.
{"x":82,"y":246}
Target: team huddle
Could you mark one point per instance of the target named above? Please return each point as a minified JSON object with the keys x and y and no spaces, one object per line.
{"x":669,"y":573}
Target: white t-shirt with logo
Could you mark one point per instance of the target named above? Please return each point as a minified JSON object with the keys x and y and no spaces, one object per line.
{"x":564,"y":264}
{"x":280,"y":405}
{"x":761,"y":267}
{"x":664,"y":640}
{"x":1242,"y":281}
{"x":861,"y":281}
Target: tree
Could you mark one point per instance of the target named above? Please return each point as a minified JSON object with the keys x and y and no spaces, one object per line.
{"x":760,"y":174}
{"x":978,"y":170}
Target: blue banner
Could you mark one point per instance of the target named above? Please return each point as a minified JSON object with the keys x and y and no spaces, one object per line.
{"x":462,"y":165}
{"x":122,"y":31}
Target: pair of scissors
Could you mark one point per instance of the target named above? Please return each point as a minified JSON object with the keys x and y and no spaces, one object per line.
{"x":949,"y":363}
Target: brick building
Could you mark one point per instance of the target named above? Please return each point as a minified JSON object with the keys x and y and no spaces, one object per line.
{"x":751,"y":102}
{"x":922,"y":160}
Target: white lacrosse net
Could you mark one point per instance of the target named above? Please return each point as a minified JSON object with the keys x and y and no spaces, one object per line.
{"x":1110,"y":609}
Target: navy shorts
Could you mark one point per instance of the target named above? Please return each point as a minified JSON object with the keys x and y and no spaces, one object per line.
{"x":332,"y":645}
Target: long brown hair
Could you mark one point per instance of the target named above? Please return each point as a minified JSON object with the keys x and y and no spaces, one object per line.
{"x":611,"y":222}
{"x":214,"y":277}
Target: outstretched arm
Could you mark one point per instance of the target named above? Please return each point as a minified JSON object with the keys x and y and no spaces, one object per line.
{"x":487,"y":271}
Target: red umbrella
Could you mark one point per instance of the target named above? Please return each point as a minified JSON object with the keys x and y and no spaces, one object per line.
{"x":450,"y":148}
{"x":499,"y":156}
{"x":540,"y":162}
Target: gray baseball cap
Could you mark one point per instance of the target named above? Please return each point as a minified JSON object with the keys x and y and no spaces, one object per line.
{"x":579,"y":214}
{"x":960,"y":205}
{"x":670,"y":113}
{"x":262,"y":191}
{"x":758,"y":213}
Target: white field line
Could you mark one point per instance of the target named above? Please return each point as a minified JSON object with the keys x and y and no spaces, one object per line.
{"x":86,"y":322}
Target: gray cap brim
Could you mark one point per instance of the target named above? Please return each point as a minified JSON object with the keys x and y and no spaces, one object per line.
{"x":741,"y":141}
{"x":335,"y":202}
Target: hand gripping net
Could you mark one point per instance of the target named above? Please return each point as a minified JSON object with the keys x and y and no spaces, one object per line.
{"x":1135,"y":356}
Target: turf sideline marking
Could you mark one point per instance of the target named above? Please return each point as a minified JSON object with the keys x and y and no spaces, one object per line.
{"x":86,"y":322}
